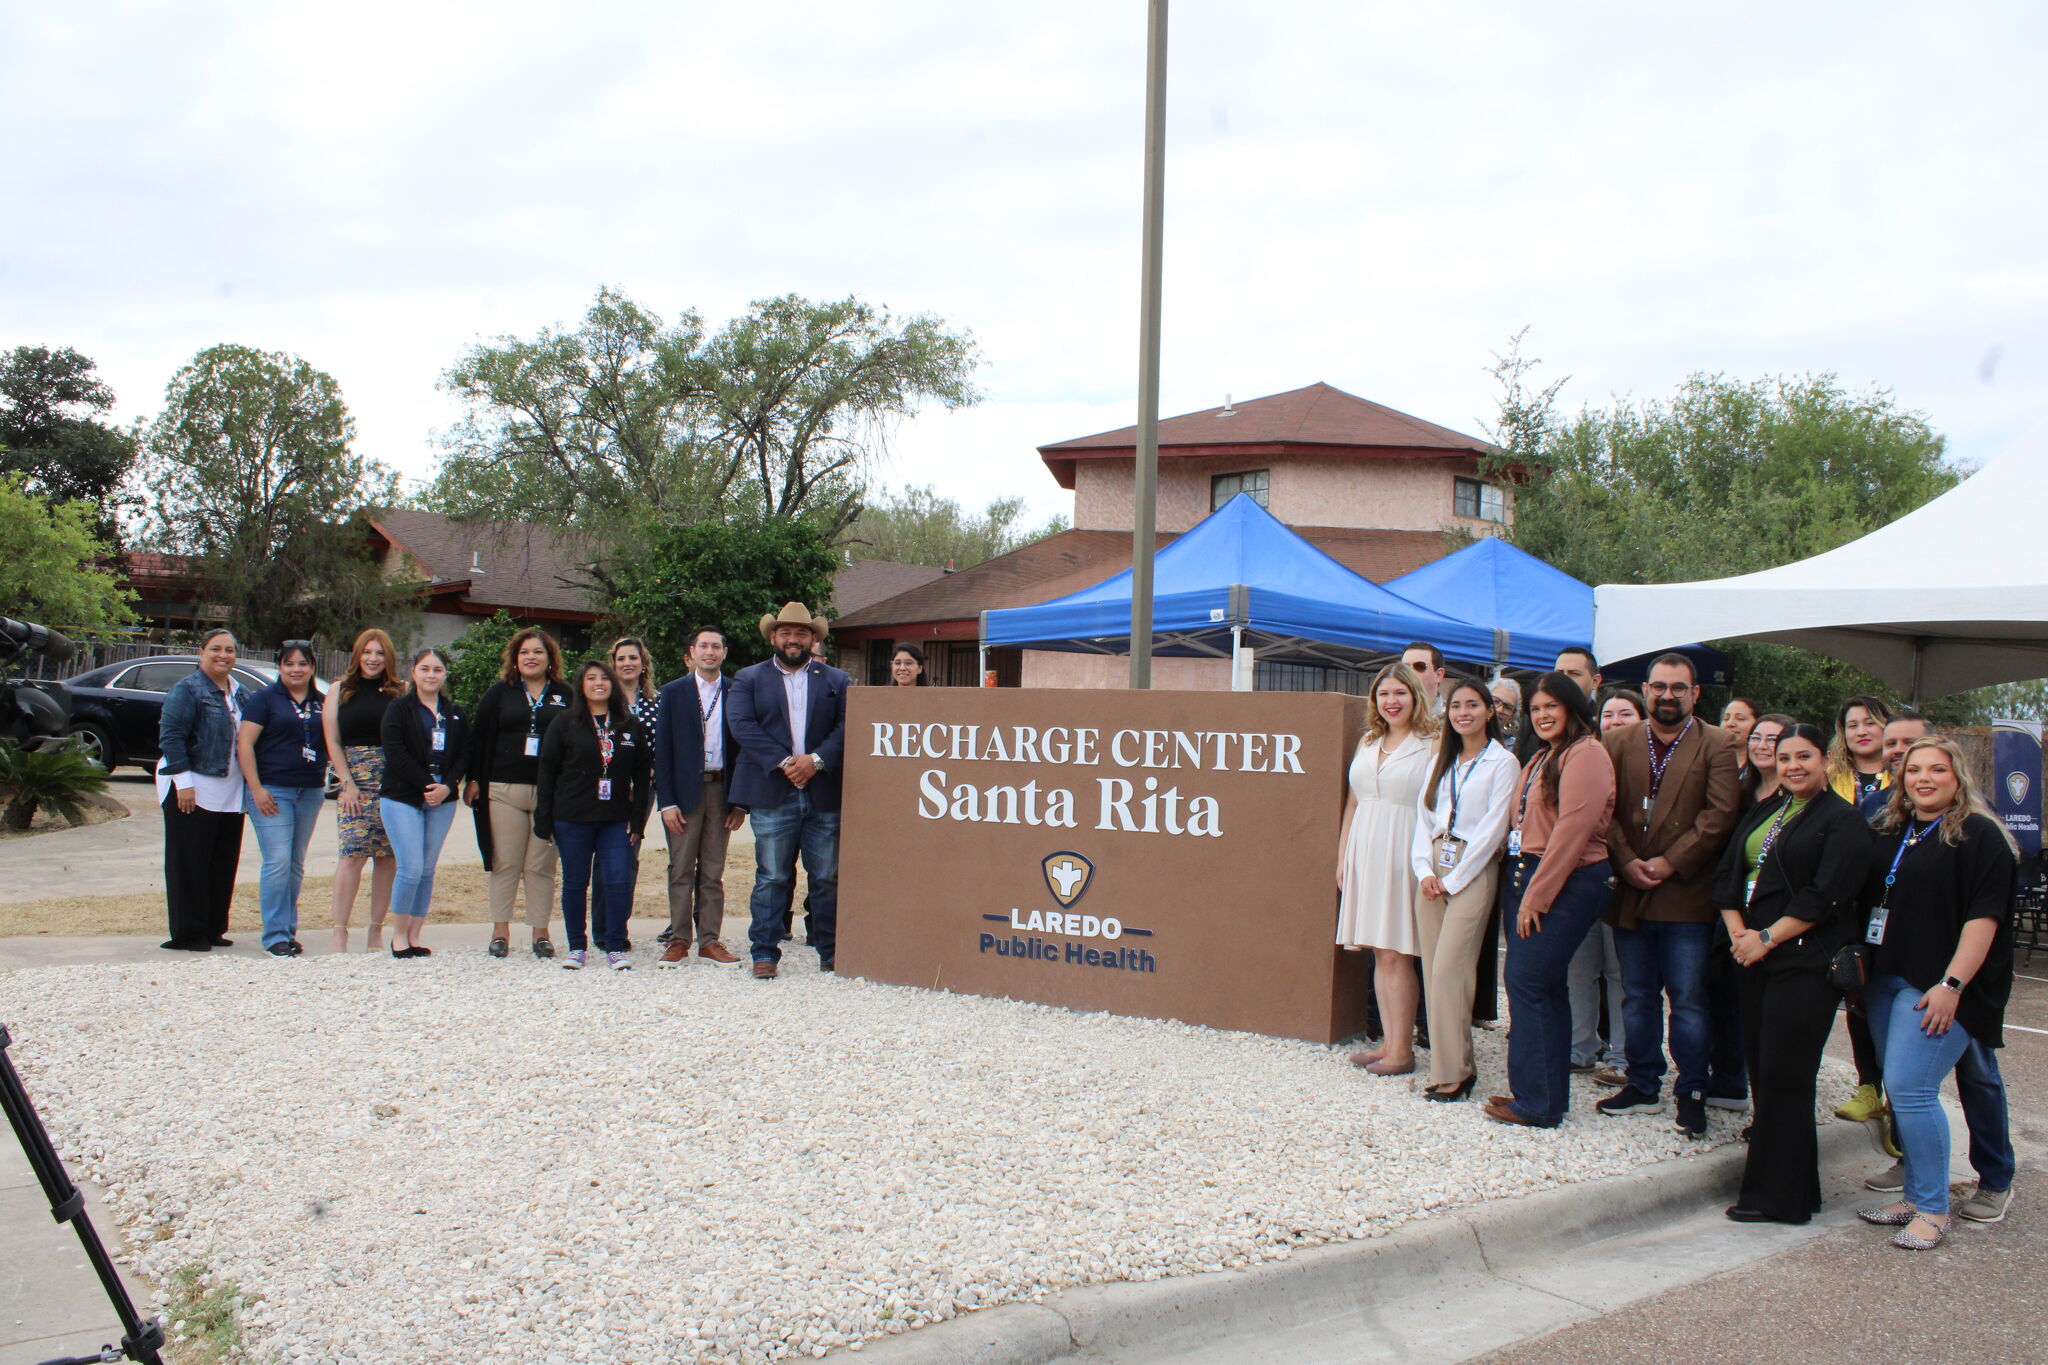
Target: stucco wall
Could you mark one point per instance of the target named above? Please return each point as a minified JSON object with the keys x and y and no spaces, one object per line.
{"x":1376,"y":494}
{"x":1051,"y":668}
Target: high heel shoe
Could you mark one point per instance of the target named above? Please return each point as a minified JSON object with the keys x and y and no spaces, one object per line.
{"x":1457,"y":1092}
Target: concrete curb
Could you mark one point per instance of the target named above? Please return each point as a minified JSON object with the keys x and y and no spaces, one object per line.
{"x":1191,"y":1312}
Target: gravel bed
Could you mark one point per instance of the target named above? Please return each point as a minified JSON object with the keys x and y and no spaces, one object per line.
{"x":498,"y":1160}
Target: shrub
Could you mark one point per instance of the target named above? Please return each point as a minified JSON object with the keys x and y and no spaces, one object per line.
{"x":33,"y":778}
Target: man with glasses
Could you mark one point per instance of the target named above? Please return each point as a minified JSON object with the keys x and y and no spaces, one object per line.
{"x":1676,"y":793}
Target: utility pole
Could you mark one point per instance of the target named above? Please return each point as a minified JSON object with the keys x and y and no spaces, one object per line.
{"x":1145,"y":516}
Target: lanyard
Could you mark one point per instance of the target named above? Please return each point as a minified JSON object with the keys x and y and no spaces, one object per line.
{"x":306,"y":714}
{"x":1451,"y":826}
{"x":1522,"y":809}
{"x":1778,"y":822}
{"x":436,"y":750}
{"x":533,"y":706}
{"x":604,"y":746}
{"x":711,"y":712}
{"x":1657,"y":768}
{"x":1914,"y":834}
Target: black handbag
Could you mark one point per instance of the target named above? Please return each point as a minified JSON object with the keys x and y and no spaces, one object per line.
{"x":1849,"y":969}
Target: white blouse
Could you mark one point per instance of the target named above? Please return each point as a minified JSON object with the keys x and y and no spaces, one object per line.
{"x":1486,"y":806}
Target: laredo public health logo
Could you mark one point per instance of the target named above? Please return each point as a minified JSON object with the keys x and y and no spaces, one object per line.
{"x":2015,"y":787}
{"x":1067,"y":876}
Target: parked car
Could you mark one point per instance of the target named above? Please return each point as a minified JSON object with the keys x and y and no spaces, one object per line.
{"x":115,"y":708}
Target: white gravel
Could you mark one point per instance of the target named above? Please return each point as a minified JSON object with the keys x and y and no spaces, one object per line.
{"x":484,"y":1160}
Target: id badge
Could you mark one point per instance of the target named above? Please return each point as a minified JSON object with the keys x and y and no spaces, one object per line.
{"x":1448,"y":853}
{"x":1875,"y":933}
{"x":533,"y":746}
{"x":308,"y":754}
{"x":1514,"y":843}
{"x":440,"y":740}
{"x":1749,"y":891}
{"x":604,"y":789}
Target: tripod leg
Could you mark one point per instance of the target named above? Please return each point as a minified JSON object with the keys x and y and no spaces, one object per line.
{"x":141,"y":1340}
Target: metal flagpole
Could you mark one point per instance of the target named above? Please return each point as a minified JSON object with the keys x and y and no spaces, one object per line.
{"x":1144,"y":520}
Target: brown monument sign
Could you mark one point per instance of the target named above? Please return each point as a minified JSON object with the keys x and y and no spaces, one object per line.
{"x":1170,"y":854}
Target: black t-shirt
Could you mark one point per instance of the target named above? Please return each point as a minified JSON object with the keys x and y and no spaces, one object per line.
{"x":360,"y":719}
{"x":1940,"y":887}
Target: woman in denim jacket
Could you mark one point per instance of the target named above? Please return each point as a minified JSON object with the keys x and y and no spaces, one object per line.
{"x":199,"y":785}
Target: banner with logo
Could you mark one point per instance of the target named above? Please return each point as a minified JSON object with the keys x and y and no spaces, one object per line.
{"x":1169,"y":854}
{"x":2016,"y":779}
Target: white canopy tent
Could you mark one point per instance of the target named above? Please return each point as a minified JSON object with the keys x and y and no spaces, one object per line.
{"x":1952,"y":595}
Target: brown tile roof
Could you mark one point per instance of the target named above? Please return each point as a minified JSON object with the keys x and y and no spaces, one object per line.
{"x":874,"y":580}
{"x":502,"y":564}
{"x":1072,"y":560}
{"x":1319,"y":416}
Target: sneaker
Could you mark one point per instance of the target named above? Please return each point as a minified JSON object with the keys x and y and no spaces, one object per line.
{"x":676,"y":955}
{"x":1863,"y":1106}
{"x":618,"y":962}
{"x":1692,"y":1114}
{"x":665,"y":937}
{"x":279,"y":950}
{"x":1986,"y":1206}
{"x":1738,"y":1104}
{"x":575,"y":959}
{"x":1890,"y":1180}
{"x":1610,"y":1076}
{"x":1629,"y":1100}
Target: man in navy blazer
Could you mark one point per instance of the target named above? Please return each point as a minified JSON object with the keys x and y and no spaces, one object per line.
{"x":789,"y":716}
{"x":693,"y":752}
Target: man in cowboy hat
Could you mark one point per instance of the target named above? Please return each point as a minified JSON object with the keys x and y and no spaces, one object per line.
{"x":789,"y":716}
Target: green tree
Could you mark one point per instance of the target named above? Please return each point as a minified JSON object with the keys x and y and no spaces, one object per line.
{"x":1725,"y":477}
{"x":252,"y":476}
{"x":721,"y":573}
{"x":51,"y":403}
{"x":917,"y":526}
{"x":475,"y":656}
{"x":52,"y":563}
{"x":624,"y":425}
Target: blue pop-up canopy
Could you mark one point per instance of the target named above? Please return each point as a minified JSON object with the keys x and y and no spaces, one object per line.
{"x":1532,"y":609}
{"x":1240,"y":577}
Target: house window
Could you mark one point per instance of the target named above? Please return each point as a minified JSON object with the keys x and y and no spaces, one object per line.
{"x":1224,"y":487}
{"x":1480,"y":501}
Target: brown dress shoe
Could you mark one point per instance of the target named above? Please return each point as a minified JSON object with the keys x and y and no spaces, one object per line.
{"x":675,"y":955}
{"x":715,"y":951}
{"x":764,"y":971}
{"x":1501,"y":1113}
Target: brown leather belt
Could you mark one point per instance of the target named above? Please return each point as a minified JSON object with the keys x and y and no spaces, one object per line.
{"x":714,"y":774}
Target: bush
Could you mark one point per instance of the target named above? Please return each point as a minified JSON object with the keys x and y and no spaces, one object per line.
{"x":721,"y":573}
{"x":473,"y":658}
{"x":33,"y":778}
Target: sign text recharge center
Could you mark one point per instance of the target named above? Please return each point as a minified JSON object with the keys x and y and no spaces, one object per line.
{"x":1136,"y":805}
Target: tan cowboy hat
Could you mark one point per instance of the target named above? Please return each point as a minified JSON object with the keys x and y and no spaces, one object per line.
{"x":796,"y":614}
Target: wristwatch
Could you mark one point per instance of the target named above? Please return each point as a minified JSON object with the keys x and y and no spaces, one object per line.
{"x":1763,"y":936}
{"x":1954,"y":983}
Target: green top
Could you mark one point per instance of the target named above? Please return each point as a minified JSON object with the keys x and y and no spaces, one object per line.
{"x":1753,"y":849}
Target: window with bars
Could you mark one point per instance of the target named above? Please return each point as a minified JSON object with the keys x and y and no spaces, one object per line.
{"x":1224,"y":487}
{"x":1480,"y":501}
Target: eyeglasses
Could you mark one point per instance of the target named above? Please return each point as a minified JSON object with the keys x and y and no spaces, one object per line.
{"x":1667,"y":689}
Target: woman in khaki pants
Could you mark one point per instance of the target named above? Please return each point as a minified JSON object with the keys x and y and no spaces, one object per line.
{"x":510,"y":722}
{"x":1465,"y":809}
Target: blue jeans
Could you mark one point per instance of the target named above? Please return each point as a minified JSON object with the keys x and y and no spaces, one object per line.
{"x":595,"y":844}
{"x":1915,"y":1062}
{"x":1539,"y":993}
{"x":779,"y":834}
{"x":416,"y":834}
{"x":283,"y":838}
{"x":599,"y":884}
{"x":1982,"y":1089}
{"x":1660,"y":960}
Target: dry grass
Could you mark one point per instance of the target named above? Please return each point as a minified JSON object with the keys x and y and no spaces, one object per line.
{"x":460,"y":897}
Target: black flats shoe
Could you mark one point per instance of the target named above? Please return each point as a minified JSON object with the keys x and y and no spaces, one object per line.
{"x":1738,"y":1214}
{"x":1458,"y":1092}
{"x":543,"y":947}
{"x":499,"y":947}
{"x":412,"y":952}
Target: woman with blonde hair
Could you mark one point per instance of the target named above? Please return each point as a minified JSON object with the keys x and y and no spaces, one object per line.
{"x":1939,"y":933}
{"x":1376,"y":905}
{"x":512,"y":718}
{"x":353,"y":727}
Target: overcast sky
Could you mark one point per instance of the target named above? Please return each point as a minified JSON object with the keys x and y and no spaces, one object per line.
{"x":1371,"y":195}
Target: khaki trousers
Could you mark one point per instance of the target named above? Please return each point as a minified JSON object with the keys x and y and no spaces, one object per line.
{"x":1453,"y":933}
{"x":696,"y":869}
{"x":517,"y":856}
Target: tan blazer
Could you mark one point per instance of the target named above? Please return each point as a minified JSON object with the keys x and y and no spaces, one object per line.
{"x":1688,"y":825}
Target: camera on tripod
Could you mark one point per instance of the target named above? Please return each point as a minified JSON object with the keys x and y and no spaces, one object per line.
{"x":33,"y":714}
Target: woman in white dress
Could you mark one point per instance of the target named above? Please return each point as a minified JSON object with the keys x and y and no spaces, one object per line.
{"x":1377,"y":888}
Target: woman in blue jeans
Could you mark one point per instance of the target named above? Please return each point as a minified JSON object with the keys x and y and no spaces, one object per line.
{"x":426,"y":751}
{"x":1940,"y":937}
{"x":283,"y":748}
{"x":1557,"y":889}
{"x":596,"y":776}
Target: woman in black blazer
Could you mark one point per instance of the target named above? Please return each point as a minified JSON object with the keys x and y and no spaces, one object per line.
{"x":1787,"y":890}
{"x":426,"y":747}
